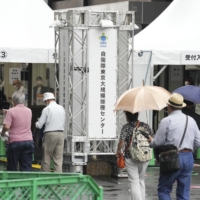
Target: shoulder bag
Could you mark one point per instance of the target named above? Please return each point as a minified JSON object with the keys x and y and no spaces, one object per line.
{"x":169,"y":158}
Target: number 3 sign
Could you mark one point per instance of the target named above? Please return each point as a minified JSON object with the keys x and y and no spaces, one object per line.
{"x":5,"y":54}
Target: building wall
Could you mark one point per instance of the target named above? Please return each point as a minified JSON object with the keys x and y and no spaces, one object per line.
{"x":55,"y":5}
{"x":145,"y":10}
{"x":62,"y":4}
{"x":96,"y":2}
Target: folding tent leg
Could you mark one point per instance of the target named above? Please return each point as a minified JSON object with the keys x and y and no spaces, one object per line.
{"x":152,"y":161}
{"x":198,"y":154}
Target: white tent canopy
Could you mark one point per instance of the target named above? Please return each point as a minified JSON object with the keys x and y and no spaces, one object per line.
{"x":175,"y":31}
{"x":25,"y":35}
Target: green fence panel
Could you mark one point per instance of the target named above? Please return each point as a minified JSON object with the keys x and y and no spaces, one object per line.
{"x":43,"y":186}
{"x":4,"y":175}
{"x":2,"y":149}
{"x":198,"y":154}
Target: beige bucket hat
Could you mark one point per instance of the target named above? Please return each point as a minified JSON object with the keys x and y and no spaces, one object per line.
{"x":176,"y":100}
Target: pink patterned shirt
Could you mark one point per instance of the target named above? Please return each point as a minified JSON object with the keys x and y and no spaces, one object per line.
{"x":19,"y":120}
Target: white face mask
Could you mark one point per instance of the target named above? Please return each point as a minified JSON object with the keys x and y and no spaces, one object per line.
{"x":39,"y":82}
{"x":47,"y":103}
{"x":186,"y":83}
{"x":15,"y":87}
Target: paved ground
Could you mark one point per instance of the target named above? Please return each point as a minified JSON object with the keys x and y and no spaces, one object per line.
{"x":118,"y":188}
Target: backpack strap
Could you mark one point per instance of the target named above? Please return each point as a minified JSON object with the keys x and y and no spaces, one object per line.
{"x":138,"y":123}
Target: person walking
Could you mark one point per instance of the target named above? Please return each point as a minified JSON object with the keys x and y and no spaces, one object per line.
{"x":170,"y":131}
{"x":20,"y":146}
{"x":53,"y":117}
{"x":135,"y":169}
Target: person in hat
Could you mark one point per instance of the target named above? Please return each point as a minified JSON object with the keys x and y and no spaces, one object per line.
{"x":53,"y":117}
{"x":170,"y":131}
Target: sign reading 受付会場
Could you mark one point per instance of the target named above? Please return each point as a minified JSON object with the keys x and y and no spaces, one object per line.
{"x":102,"y":63}
{"x":190,"y":57}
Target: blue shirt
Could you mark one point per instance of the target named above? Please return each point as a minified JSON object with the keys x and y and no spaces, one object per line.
{"x":53,"y":116}
{"x":171,"y":129}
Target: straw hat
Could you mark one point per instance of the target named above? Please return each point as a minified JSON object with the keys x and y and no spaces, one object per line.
{"x":48,"y":95}
{"x":176,"y":100}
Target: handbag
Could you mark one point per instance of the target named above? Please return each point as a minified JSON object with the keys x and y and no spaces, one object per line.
{"x":121,"y":161}
{"x":169,"y":158}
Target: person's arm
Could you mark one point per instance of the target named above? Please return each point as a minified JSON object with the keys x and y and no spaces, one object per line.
{"x":160,"y":135}
{"x":119,"y":148}
{"x":121,"y":140}
{"x":7,"y":122}
{"x":5,"y":129}
{"x":39,"y":124}
{"x":5,"y":111}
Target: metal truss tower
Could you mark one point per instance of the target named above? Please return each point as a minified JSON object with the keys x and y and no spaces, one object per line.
{"x":72,"y":73}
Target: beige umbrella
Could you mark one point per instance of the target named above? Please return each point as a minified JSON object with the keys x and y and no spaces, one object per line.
{"x":143,"y":98}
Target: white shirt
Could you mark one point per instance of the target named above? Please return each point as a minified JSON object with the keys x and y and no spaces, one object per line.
{"x":53,"y":116}
{"x":25,"y":91}
{"x":38,"y":90}
{"x":22,"y":89}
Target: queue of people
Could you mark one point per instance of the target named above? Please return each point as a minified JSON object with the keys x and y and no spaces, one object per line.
{"x":20,"y":144}
{"x":169,"y":132}
{"x":37,"y":92}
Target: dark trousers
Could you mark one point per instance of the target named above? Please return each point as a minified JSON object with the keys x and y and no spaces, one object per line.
{"x":20,"y":152}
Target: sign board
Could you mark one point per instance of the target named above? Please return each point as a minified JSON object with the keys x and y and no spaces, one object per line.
{"x":5,"y":54}
{"x":102,"y":63}
{"x":190,"y":57}
{"x":39,"y":99}
{"x":176,"y":73}
{"x":14,"y":73}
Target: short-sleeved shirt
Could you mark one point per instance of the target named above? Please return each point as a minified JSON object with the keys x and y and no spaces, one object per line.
{"x":53,"y":116}
{"x":127,"y":133}
{"x":19,"y":120}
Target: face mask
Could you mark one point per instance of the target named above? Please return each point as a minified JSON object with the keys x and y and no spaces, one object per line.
{"x":186,"y":83}
{"x":15,"y":87}
{"x":39,"y":82}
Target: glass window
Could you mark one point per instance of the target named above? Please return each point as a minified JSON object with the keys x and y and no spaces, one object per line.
{"x":43,"y":80}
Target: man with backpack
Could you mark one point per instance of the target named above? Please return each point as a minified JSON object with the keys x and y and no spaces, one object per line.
{"x":134,"y":136}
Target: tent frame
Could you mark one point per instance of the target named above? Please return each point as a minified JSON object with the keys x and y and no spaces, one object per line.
{"x":74,"y":29}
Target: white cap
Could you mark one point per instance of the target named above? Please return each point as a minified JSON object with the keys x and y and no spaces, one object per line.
{"x":48,"y":95}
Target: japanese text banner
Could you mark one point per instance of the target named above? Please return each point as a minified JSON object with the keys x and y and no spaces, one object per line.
{"x":190,"y":57}
{"x":102,"y":63}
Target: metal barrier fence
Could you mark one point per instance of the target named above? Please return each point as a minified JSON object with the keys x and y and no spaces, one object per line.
{"x":51,"y":186}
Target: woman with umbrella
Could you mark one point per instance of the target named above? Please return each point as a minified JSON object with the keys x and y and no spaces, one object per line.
{"x":135,"y":169}
{"x":133,"y":101}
